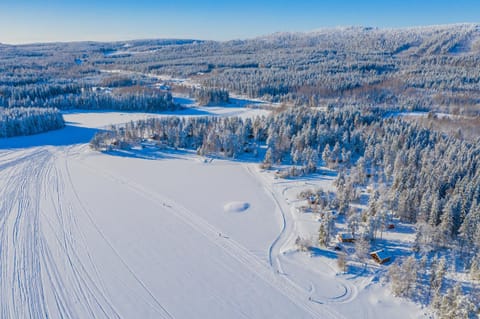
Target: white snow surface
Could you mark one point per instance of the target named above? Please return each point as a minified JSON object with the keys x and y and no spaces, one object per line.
{"x":236,"y":207}
{"x":93,"y":235}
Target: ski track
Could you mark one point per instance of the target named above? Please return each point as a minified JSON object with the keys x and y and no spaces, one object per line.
{"x":286,"y":236}
{"x":351,"y":291}
{"x":35,"y":282}
{"x":21,"y":292}
{"x":31,"y":278}
{"x":264,"y":271}
{"x":161,"y":310}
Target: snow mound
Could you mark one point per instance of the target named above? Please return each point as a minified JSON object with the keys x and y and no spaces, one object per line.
{"x":236,"y":207}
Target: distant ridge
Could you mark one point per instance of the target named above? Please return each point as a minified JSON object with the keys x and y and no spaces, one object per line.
{"x":460,"y":38}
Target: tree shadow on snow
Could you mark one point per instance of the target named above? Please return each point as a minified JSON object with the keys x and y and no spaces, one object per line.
{"x":69,"y":135}
{"x":320,"y":175}
{"x":403,"y":228}
{"x":356,"y":270}
{"x":189,"y":111}
{"x":152,"y":154}
{"x":319,"y":252}
{"x":184,"y":110}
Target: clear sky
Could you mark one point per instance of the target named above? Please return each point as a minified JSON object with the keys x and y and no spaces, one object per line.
{"x":23,"y":21}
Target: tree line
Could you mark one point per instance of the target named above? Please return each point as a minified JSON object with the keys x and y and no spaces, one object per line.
{"x":419,"y":175}
{"x":27,"y":121}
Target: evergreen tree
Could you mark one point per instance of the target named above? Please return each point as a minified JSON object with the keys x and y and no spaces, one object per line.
{"x":323,"y":235}
{"x":342,"y":262}
{"x":437,"y":275}
{"x":326,"y":155}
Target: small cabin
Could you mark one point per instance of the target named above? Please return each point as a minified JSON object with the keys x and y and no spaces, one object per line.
{"x":345,"y":238}
{"x":380,"y":256}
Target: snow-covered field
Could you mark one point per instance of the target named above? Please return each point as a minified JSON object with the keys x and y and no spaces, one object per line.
{"x":92,"y":235}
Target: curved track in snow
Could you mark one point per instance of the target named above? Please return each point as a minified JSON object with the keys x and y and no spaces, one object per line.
{"x":78,"y":239}
{"x":47,"y":269}
{"x":246,"y":258}
{"x":286,"y":238}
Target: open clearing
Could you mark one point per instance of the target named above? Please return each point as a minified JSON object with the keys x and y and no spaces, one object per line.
{"x":92,"y":235}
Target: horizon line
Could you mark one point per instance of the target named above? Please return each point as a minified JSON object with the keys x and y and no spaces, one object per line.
{"x":323,"y":28}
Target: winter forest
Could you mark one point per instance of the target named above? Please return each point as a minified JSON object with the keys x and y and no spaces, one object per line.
{"x":347,"y":101}
{"x":414,"y":172}
{"x":28,"y":120}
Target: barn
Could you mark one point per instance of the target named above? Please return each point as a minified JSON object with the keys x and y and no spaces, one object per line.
{"x":345,"y":238}
{"x":380,"y":256}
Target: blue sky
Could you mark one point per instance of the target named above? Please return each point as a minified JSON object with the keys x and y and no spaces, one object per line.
{"x":24,"y":21}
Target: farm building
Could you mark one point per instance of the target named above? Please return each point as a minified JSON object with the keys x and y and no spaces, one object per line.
{"x":380,"y":256}
{"x":345,"y":238}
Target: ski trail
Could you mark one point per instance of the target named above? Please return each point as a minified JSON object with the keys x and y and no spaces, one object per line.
{"x":68,"y":238}
{"x":161,"y":310}
{"x":286,"y":231}
{"x":290,"y":290}
{"x":46,"y":269}
{"x":35,"y":282}
{"x":22,"y":293}
{"x":286,"y":236}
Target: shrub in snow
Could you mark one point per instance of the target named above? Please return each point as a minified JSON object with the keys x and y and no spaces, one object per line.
{"x":303,"y":244}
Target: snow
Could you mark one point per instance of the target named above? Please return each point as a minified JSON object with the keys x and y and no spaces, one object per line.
{"x":236,"y":207}
{"x":355,"y":294}
{"x":96,"y":235}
